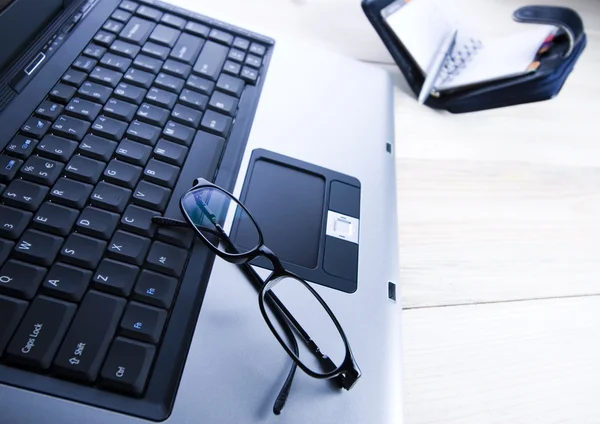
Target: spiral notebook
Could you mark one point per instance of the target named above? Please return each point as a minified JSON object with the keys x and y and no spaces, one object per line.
{"x":422,"y":25}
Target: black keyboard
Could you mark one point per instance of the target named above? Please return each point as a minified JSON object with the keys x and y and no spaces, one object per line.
{"x":89,"y":287}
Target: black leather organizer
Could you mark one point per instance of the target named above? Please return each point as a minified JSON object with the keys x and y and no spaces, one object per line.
{"x":543,"y":84}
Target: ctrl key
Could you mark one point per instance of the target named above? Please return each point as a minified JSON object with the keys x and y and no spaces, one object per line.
{"x":127,"y":366}
{"x":38,"y":336}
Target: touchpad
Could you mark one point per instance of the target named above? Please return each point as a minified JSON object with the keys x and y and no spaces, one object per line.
{"x":288,"y":205}
{"x":295,"y":203}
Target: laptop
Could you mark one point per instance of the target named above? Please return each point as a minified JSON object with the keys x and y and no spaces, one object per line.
{"x":109,"y":111}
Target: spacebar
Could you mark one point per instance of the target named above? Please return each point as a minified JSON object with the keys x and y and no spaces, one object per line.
{"x":202,"y":161}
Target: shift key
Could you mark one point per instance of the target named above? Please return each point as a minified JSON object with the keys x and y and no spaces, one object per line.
{"x":211,"y":59}
{"x":88,"y":339}
{"x":36,"y":340}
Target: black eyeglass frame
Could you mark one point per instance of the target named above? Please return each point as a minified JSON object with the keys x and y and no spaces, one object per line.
{"x":348,"y":372}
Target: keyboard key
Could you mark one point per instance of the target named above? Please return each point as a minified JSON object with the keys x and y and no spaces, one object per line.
{"x":169,"y":82}
{"x":84,"y":169}
{"x":74,"y":77}
{"x":241,"y":43}
{"x":147,"y":63}
{"x":55,"y":219}
{"x":137,"y":31}
{"x":12,"y":312}
{"x":124,"y":48}
{"x":161,"y":98}
{"x":166,"y":259}
{"x":20,"y":279}
{"x":56,"y":148}
{"x":206,"y":150}
{"x":200,"y":84}
{"x":174,"y":21}
{"x":127,"y":366}
{"x":187,"y":48}
{"x":139,"y":77}
{"x":70,"y":127}
{"x":172,"y":153}
{"x":121,"y":173}
{"x":216,"y":123}
{"x":95,"y":51}
{"x":155,"y":289}
{"x":221,"y":37}
{"x":161,"y":173}
{"x":176,"y":68}
{"x":116,"y":63}
{"x":95,"y":92}
{"x":230,"y":85}
{"x":250,"y":75}
{"x":21,"y":147}
{"x":128,"y":248}
{"x":149,"y":12}
{"x":24,"y":195}
{"x":155,"y":50}
{"x":109,"y":128}
{"x":83,"y":109}
{"x":179,"y":133}
{"x":84,"y":348}
{"x":138,"y":220}
{"x":113,"y":26}
{"x":97,"y":147}
{"x":39,"y":248}
{"x":232,"y":68}
{"x":38,"y":336}
{"x":40,"y":170}
{"x":129,"y":5}
{"x":153,"y":114}
{"x":119,"y":109}
{"x":66,"y":282}
{"x":121,"y":15}
{"x":198,"y":29}
{"x":142,"y":322}
{"x":83,"y":251}
{"x":257,"y":49}
{"x":84,"y":64}
{"x":193,"y":99}
{"x":223,"y":103}
{"x":13,"y":222}
{"x":35,"y":127}
{"x":130,"y":93}
{"x":151,"y":196}
{"x":110,"y":197}
{"x":146,"y":133}
{"x":236,"y":55}
{"x":70,"y":193}
{"x":211,"y":59}
{"x":132,"y":152}
{"x":49,"y":110}
{"x":62,"y":93}
{"x":104,"y":38}
{"x":97,"y":223}
{"x":115,"y":277}
{"x":9,"y":167}
{"x":5,"y":249}
{"x":186,"y":115}
{"x":165,"y":35}
{"x":105,"y":76}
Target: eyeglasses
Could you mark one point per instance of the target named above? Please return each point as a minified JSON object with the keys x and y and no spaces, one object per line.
{"x":297,"y":315}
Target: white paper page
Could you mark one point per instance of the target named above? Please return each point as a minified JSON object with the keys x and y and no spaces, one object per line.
{"x":501,"y":58}
{"x":421,"y":27}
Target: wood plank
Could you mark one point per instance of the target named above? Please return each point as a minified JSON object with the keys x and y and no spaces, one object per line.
{"x":473,"y":232}
{"x":522,"y":362}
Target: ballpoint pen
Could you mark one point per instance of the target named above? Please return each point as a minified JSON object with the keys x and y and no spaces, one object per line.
{"x":436,"y":65}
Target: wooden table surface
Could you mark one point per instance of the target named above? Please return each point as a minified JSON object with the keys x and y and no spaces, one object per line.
{"x":499,"y":229}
